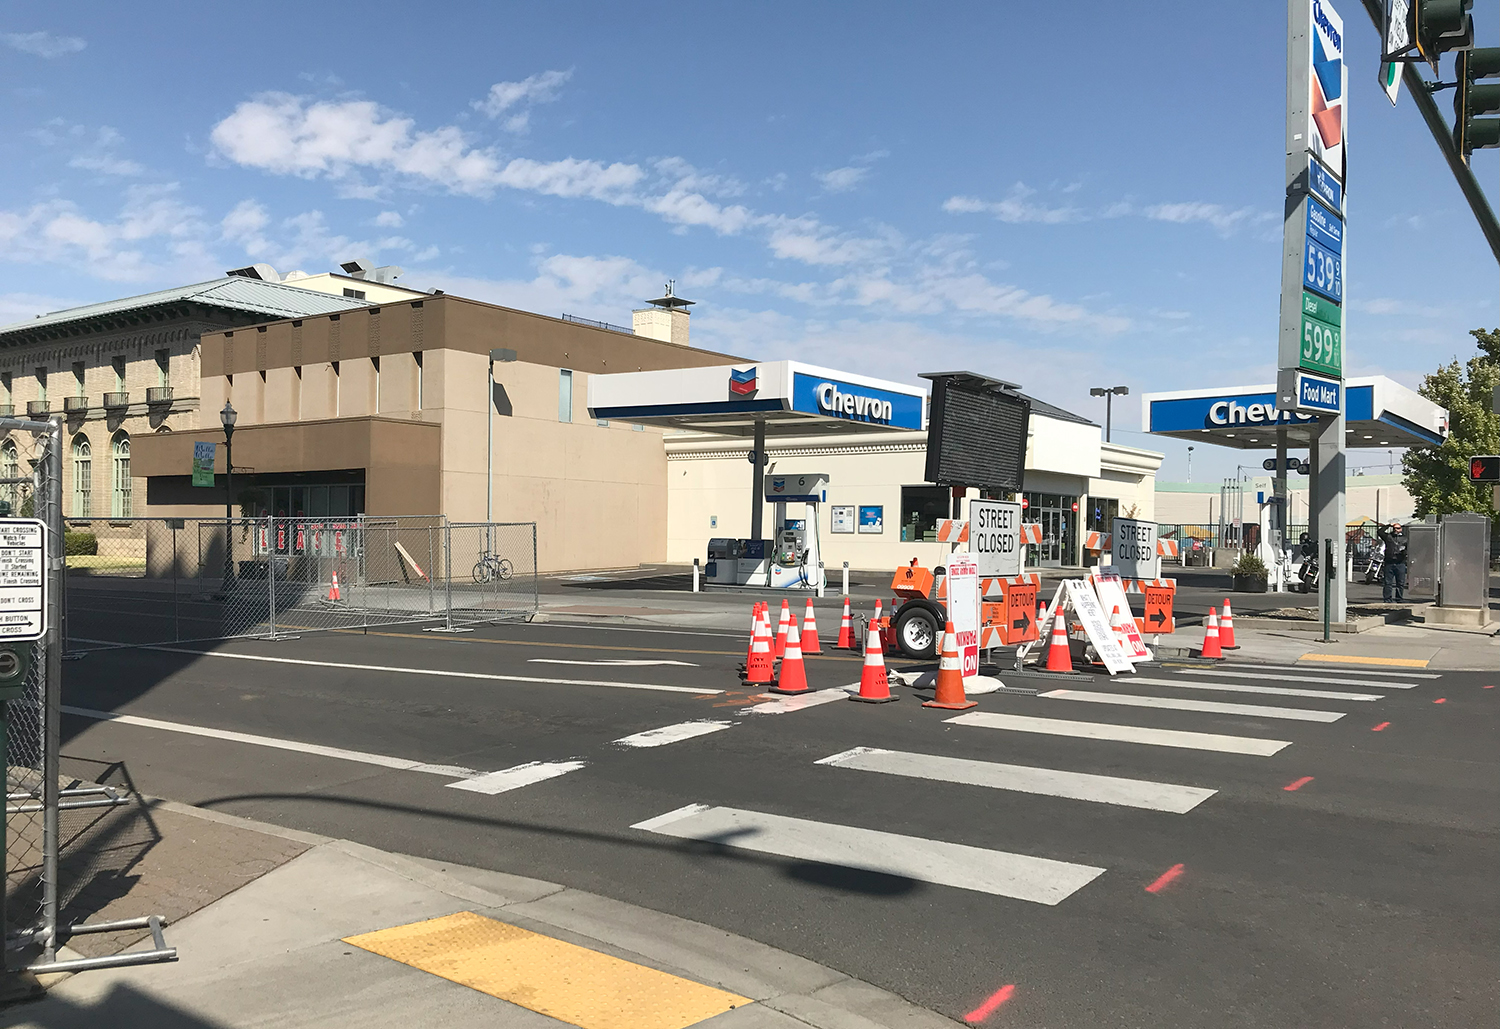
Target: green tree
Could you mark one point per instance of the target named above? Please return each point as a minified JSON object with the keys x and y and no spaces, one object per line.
{"x":1438,"y":477}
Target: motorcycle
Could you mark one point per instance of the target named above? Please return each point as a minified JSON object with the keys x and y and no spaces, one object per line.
{"x":1307,"y":572}
{"x":1373,"y":574}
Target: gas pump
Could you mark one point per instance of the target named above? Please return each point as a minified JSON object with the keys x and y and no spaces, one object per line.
{"x":795,"y":561}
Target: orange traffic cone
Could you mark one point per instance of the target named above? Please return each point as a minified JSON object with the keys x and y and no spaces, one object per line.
{"x":1059,"y":657}
{"x":876,"y":620}
{"x":1211,"y":638}
{"x":758,"y":665}
{"x":874,"y":686}
{"x":786,"y":619}
{"x":333,"y":591}
{"x":950,"y":678}
{"x":1117,"y":627}
{"x":754,"y":631}
{"x":846,"y":629}
{"x":793,"y":677}
{"x":1226,"y":629}
{"x":809,"y":638}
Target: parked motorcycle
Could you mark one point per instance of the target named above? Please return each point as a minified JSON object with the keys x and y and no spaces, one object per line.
{"x":1307,"y":571}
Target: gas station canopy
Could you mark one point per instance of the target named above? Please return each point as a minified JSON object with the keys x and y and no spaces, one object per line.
{"x":1378,"y":412}
{"x":789,"y":398}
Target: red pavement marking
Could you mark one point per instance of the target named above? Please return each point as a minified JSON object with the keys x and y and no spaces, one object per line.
{"x":1490,"y":686}
{"x":986,"y":1009}
{"x":1165,"y":878}
{"x":1441,"y":700}
{"x":1380,"y":727}
{"x":1298,"y":784}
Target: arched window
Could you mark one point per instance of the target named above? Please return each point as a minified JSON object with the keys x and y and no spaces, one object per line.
{"x":120,"y":499}
{"x":10,"y":468}
{"x":83,"y":476}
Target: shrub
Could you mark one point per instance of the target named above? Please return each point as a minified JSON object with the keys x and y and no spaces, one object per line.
{"x":80,"y":544}
{"x":1250,"y":566}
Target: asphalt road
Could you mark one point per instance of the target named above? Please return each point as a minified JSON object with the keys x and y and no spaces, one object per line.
{"x":1366,"y":896}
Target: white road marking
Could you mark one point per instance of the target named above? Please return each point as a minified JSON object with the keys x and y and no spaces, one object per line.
{"x":673,"y":733}
{"x":1239,"y":687}
{"x":1295,"y":714}
{"x":381,"y":760}
{"x":607,"y":662}
{"x":508,"y":779}
{"x":1302,"y":678}
{"x":1125,"y":733}
{"x":782,"y":705}
{"x":1047,"y":782}
{"x":486,"y":676}
{"x":1356,"y":670}
{"x":1041,"y":880}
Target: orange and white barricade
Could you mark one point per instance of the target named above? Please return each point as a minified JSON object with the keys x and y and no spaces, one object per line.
{"x":951,"y":530}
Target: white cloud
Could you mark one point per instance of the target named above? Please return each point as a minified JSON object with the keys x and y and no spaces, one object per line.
{"x":58,"y":231}
{"x":389,"y":220}
{"x":107,"y":164}
{"x":18,"y":307}
{"x":301,"y":239}
{"x":541,"y":88}
{"x":808,"y":240}
{"x":1225,"y":220}
{"x":1016,"y":207}
{"x":841,"y":180}
{"x":593,"y":287}
{"x":43,"y":44}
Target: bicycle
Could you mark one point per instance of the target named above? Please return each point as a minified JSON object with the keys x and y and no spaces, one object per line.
{"x":489,"y":568}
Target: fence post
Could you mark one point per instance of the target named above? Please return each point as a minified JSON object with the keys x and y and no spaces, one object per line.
{"x":846,"y":578}
{"x":52,"y":691}
{"x":822,"y":580}
{"x":271,"y":578}
{"x":695,"y":575}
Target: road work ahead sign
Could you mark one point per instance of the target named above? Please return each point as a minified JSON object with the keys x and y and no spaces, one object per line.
{"x":995,"y":537}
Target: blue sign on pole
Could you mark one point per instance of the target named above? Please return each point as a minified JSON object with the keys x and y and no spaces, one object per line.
{"x":1325,"y":227}
{"x":1324,"y":186}
{"x":1319,"y":394}
{"x":1323,"y":271}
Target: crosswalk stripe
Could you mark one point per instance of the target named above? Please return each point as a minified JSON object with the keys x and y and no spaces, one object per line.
{"x":673,"y":733}
{"x":1125,"y":733}
{"x":1239,"y":687}
{"x":1302,"y":678}
{"x":1041,"y":880}
{"x":1295,"y":714}
{"x":1336,"y":670}
{"x":508,"y":779}
{"x":1047,"y":782}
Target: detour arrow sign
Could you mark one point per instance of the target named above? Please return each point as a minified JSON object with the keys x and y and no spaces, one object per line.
{"x":1159,"y":609}
{"x":1020,"y":613}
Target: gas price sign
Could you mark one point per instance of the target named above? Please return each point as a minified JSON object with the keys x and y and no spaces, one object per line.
{"x":1322,"y":336}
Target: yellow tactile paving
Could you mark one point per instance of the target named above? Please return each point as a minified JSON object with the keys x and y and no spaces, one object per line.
{"x":561,"y":980}
{"x":1355,"y":659}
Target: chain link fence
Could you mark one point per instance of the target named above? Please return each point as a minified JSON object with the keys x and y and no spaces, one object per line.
{"x":144,"y":581}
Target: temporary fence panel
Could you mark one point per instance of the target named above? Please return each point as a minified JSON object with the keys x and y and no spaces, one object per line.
{"x":489,"y":571}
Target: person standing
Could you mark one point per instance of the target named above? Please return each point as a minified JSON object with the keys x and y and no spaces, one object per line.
{"x":1393,"y":576}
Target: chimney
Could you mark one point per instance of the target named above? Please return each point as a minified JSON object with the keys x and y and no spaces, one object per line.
{"x":666,"y":319}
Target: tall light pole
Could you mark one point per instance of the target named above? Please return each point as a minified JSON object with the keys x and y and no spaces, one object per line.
{"x":489,"y":430}
{"x":1108,"y":393}
{"x":227,"y":418}
{"x":1190,"y":464}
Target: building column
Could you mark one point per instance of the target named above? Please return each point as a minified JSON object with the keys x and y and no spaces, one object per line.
{"x":1326,"y":509}
{"x":758,"y":481}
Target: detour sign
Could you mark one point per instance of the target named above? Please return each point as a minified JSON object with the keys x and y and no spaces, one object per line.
{"x":1159,"y":610}
{"x":1020,"y":614}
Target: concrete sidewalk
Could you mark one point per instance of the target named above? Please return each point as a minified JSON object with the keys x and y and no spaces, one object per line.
{"x":272,"y":953}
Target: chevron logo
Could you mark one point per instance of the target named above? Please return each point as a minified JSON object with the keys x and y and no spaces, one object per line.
{"x":742,"y":382}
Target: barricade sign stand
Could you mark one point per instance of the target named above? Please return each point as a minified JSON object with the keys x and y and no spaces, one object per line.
{"x":963,"y":611}
{"x":1110,"y":590}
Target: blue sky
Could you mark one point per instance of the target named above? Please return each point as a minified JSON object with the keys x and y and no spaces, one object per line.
{"x":1060,"y":195}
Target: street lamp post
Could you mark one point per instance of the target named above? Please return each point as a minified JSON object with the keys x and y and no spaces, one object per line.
{"x":1108,"y":393}
{"x":227,"y":418}
{"x":1190,"y":464}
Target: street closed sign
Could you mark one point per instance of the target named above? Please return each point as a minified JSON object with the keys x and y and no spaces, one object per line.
{"x":1133,"y":549}
{"x":995,"y":537}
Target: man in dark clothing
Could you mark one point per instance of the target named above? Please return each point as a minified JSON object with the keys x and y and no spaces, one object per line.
{"x":1395,"y":562}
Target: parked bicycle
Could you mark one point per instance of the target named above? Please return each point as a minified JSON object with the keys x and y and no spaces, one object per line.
{"x":490,"y":568}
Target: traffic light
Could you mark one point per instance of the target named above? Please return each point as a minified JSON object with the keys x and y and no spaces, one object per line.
{"x":1484,"y":469}
{"x":1442,"y":25}
{"x":1472,"y":98}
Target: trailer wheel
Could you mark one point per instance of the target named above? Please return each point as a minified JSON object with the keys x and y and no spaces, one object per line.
{"x":918,"y":632}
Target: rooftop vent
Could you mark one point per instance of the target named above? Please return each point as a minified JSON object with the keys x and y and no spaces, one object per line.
{"x":261,"y":271}
{"x":362,"y":269}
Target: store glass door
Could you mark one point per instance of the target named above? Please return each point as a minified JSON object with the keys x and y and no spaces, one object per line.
{"x":1051,"y":552}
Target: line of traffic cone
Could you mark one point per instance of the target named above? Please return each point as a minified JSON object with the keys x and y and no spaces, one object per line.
{"x":1211,"y":646}
{"x":949,"y":688}
{"x":781,"y":627}
{"x":756,"y":610}
{"x":1059,"y":655}
{"x":333,"y":590}
{"x":791,"y":678}
{"x":1226,"y":629}
{"x":809,"y":637}
{"x":846,"y":630}
{"x":874,"y":684}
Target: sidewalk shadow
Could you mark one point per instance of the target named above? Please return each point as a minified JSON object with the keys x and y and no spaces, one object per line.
{"x":123,"y":1007}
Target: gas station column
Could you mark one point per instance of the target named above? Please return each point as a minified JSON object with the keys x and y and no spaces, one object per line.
{"x":1326,"y":509}
{"x":758,"y":481}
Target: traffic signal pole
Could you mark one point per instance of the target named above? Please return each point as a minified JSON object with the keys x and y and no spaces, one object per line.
{"x":1443,"y":133}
